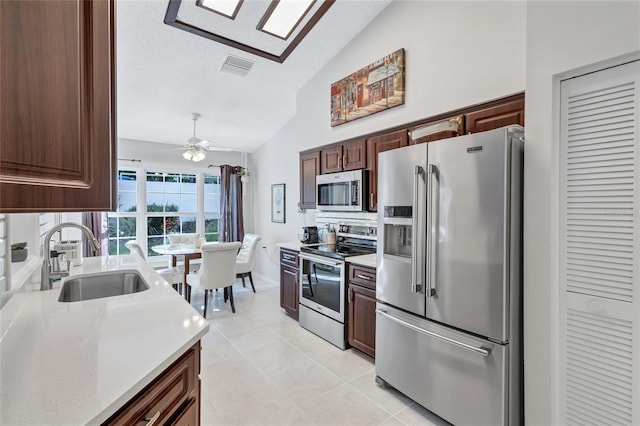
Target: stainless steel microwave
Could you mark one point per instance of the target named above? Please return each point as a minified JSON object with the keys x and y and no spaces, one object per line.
{"x":341,"y":191}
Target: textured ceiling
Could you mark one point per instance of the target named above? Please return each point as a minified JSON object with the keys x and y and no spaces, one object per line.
{"x":165,"y":74}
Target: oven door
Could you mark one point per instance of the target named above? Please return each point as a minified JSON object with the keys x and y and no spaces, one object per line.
{"x":322,"y":285}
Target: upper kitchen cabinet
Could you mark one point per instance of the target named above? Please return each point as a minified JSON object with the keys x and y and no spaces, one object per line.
{"x":57,"y":97}
{"x":309,"y":169}
{"x":496,"y":116}
{"x":347,"y":156}
{"x":376,"y":145}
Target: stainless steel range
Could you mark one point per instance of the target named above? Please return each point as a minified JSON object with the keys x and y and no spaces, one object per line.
{"x":322,"y":281}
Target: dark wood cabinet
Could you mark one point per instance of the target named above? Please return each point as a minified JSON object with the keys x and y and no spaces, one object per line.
{"x":495,"y":117}
{"x":347,"y":156}
{"x":361,"y":330}
{"x":57,"y":106}
{"x":289,"y":281}
{"x":172,"y":398}
{"x":376,"y":145}
{"x":309,"y":169}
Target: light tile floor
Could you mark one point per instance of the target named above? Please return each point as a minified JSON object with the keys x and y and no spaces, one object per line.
{"x":259,"y":367}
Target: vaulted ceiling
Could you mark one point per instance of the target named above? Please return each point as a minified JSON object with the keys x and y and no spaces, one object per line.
{"x":165,"y":74}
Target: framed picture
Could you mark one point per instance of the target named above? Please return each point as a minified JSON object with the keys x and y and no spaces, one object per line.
{"x":278,"y":203}
{"x":374,"y":88}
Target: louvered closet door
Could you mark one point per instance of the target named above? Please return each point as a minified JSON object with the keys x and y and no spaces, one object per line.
{"x":599,"y":247}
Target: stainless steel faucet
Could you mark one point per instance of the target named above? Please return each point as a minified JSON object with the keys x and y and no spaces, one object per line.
{"x":48,"y":270}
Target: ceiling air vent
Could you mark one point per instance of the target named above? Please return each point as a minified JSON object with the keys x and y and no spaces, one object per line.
{"x":236,"y":66}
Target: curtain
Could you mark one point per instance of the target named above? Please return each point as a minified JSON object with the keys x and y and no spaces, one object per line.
{"x":97,"y":223}
{"x":231,"y":216}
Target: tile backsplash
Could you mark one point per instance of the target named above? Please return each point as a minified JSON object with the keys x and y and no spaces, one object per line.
{"x":334,"y":218}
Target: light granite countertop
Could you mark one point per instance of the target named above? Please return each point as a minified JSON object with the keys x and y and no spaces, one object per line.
{"x":295,"y":246}
{"x":79,"y":362}
{"x":364,"y":260}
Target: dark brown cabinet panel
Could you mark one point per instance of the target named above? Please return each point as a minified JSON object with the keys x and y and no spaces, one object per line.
{"x":362,"y":319}
{"x":331,"y":159}
{"x":289,"y":281}
{"x":496,"y":116}
{"x":361,"y":329}
{"x":348,"y":156}
{"x":172,"y":398}
{"x":354,"y":155}
{"x":309,"y":169}
{"x":376,"y":145}
{"x":57,"y":106}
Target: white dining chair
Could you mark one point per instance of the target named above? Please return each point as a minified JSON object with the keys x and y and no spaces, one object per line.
{"x":173,"y":276}
{"x":244,"y":259}
{"x":217,"y":271}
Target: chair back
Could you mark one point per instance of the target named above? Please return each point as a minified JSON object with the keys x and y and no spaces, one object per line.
{"x":244,"y":260}
{"x":218,"y":265}
{"x":135,"y":248}
{"x":182,"y":238}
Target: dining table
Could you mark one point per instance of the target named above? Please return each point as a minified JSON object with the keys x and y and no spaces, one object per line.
{"x":185,"y":252}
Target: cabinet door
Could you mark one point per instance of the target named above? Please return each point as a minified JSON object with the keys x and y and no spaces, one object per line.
{"x":354,"y":155}
{"x":57,"y":103}
{"x":376,"y":145}
{"x":362,"y":319}
{"x":331,"y":159}
{"x":496,"y":116}
{"x":289,"y":281}
{"x":170,"y":395}
{"x":309,"y":169}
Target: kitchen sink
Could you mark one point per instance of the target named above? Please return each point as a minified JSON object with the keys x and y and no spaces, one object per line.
{"x":102,"y":285}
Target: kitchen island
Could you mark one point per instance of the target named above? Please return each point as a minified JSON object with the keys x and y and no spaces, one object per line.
{"x":71,"y":363}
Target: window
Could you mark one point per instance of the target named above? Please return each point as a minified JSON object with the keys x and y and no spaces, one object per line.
{"x":175,"y":203}
{"x":211,"y":207}
{"x":171,"y":206}
{"x":122,"y":227}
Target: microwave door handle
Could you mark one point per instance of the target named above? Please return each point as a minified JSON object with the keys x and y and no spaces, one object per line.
{"x":416,"y":221}
{"x":432,"y":227}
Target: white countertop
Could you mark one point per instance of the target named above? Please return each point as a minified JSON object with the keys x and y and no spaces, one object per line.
{"x":77,"y":363}
{"x":295,"y":246}
{"x":364,"y":260}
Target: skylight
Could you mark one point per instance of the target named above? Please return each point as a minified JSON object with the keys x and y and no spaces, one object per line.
{"x":283,"y":16}
{"x":228,"y":8}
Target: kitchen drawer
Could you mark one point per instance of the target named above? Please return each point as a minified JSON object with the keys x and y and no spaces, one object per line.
{"x":362,"y":275}
{"x":188,"y":416}
{"x":288,"y":257}
{"x":165,"y":395}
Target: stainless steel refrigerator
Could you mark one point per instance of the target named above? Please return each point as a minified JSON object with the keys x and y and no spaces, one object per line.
{"x":449,"y":276}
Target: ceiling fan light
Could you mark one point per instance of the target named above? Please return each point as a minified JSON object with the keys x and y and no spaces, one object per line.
{"x":188,"y":155}
{"x":198,"y":155}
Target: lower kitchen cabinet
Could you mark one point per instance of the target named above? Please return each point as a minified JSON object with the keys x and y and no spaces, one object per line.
{"x":289,"y":281}
{"x":361,"y":328}
{"x":172,"y":398}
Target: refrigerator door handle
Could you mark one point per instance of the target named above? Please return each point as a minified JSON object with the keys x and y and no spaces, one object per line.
{"x":432,"y":239}
{"x":482,"y":351}
{"x":416,"y":277}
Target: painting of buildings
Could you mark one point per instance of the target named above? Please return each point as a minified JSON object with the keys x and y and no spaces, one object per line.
{"x":376,"y":87}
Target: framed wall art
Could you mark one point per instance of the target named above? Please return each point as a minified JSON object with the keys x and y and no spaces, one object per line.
{"x":278,"y":196}
{"x":374,"y":88}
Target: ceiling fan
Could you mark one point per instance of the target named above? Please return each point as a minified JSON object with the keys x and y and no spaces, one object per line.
{"x":196,"y":148}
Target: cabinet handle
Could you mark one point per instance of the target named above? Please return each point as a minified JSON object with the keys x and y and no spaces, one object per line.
{"x":153,"y":419}
{"x":288,"y":257}
{"x":350,"y":295}
{"x":344,"y":160}
{"x":363,"y":277}
{"x":371,"y":199}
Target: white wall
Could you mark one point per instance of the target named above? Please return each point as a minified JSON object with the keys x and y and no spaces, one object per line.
{"x":561,"y":36}
{"x":457,"y":54}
